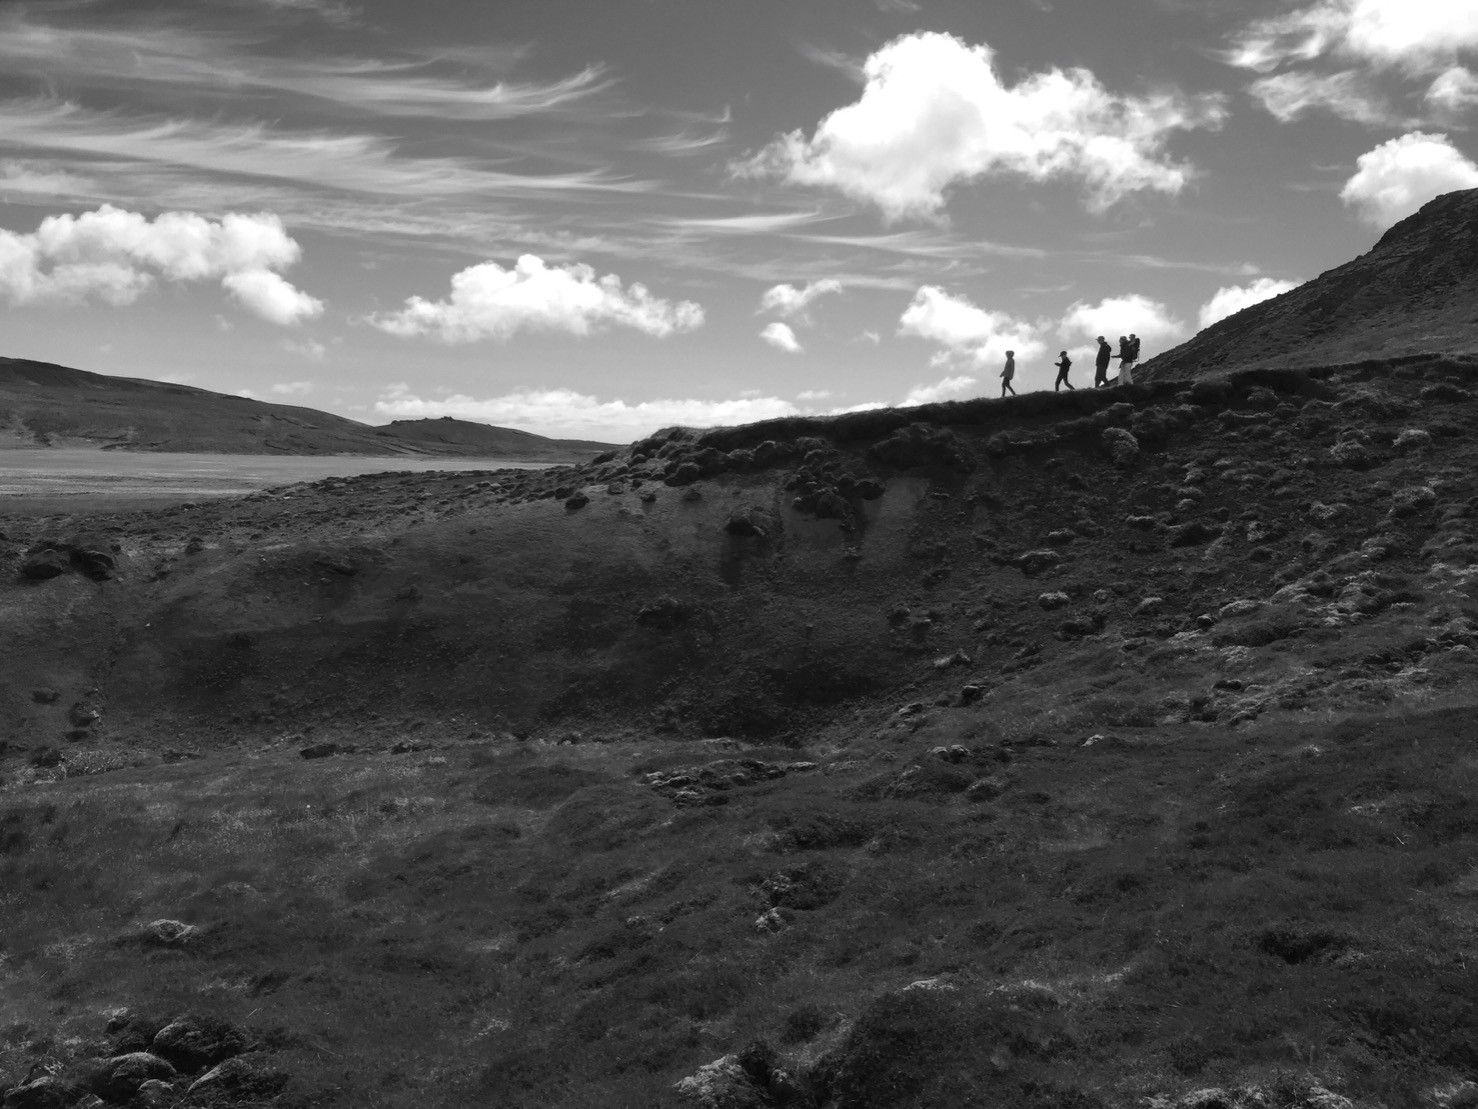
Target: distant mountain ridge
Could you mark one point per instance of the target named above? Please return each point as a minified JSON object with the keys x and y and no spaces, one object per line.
{"x":42,"y":404}
{"x":1414,"y":292}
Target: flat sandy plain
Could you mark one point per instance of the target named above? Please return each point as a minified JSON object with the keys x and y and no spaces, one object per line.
{"x":83,"y":479}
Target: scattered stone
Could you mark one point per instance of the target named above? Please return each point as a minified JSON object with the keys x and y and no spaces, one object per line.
{"x":191,"y":1043}
{"x":119,"y":1078}
{"x":771,"y":921}
{"x":1050,"y":601}
{"x":1412,"y":500}
{"x":1150,"y":606}
{"x":326,"y":749}
{"x":1413,"y":439}
{"x":1193,"y":534}
{"x":167,"y":933}
{"x":46,"y":1092}
{"x":44,"y":564}
{"x":248,"y":1077}
{"x":959,"y":658}
{"x":1033,"y":563}
{"x":1233,"y":609}
{"x":1122,"y":446}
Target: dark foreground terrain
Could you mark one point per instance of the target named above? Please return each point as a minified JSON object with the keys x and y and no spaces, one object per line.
{"x":1109,"y":749}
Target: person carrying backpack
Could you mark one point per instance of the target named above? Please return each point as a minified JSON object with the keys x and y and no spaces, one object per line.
{"x":1008,"y":373}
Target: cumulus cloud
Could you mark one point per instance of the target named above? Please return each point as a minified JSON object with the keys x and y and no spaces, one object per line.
{"x":273,"y":298}
{"x":291,"y":388}
{"x":933,"y":113}
{"x":490,"y":302}
{"x":1454,"y":89}
{"x":1131,"y":314}
{"x":780,"y":336}
{"x":788,"y":301}
{"x":1347,"y":94}
{"x":565,"y":413}
{"x":1231,"y":299}
{"x":1415,"y":35}
{"x":1398,"y":177}
{"x":966,"y":330}
{"x":116,"y":256}
{"x":950,"y":388}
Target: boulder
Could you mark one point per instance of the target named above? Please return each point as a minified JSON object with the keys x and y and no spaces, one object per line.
{"x":119,"y":1078}
{"x":46,"y":1092}
{"x":192,"y":1042}
{"x":167,"y":933}
{"x":1033,"y":563}
{"x":48,"y":562}
{"x":251,"y":1077}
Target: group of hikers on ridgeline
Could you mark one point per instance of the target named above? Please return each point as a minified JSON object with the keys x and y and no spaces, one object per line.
{"x":1128,"y":355}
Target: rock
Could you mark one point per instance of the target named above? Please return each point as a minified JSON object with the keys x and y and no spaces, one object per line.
{"x":577,"y":501}
{"x":722,"y":1084}
{"x":326,"y":749}
{"x":1122,"y":446}
{"x":1049,"y":601}
{"x":771,"y":921}
{"x":248,"y":1077}
{"x":83,"y":715}
{"x":1033,"y":563}
{"x":969,"y":694}
{"x":120,"y":1078}
{"x":1233,"y":609}
{"x":45,"y":695}
{"x":43,"y":564}
{"x":46,"y":1092}
{"x":1150,"y":606}
{"x":192,"y":1042}
{"x":154,"y":1094}
{"x":1412,"y":439}
{"x":1412,"y":500}
{"x":167,"y":933}
{"x":752,"y":522}
{"x":685,"y":473}
{"x":1352,"y":455}
{"x":1193,"y":534}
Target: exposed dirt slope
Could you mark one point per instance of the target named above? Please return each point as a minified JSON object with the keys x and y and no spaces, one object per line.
{"x":1059,"y":751}
{"x":1414,"y":293}
{"x":46,"y":405}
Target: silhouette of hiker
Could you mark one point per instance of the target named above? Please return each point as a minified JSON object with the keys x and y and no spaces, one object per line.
{"x":1128,"y":356}
{"x":1008,"y":373}
{"x":1063,"y":365}
{"x":1101,"y":361}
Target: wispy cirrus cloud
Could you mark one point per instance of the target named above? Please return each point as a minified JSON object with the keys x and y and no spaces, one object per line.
{"x":352,"y":162}
{"x":226,"y":64}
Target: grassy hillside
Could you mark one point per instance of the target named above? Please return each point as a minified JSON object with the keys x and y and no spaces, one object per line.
{"x":1105,"y":749}
{"x":47,"y":405}
{"x":1413,"y":294}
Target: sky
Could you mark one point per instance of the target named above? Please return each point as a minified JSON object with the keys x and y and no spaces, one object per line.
{"x":596,"y":219}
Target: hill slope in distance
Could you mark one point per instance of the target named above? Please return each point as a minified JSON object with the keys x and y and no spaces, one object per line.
{"x":1415,"y":292}
{"x":48,"y":405}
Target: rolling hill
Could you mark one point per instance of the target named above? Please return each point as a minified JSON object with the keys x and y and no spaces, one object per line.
{"x":1415,"y":292}
{"x":48,"y":405}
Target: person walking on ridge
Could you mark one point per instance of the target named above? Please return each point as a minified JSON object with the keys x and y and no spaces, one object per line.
{"x":1008,"y":373}
{"x":1128,"y":356}
{"x":1063,"y":365}
{"x":1100,"y":363}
